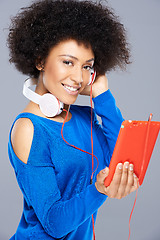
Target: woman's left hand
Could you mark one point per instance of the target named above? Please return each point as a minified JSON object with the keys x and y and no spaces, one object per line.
{"x":123,"y":183}
{"x":99,"y":86}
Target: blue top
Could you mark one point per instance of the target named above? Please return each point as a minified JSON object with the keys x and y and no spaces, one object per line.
{"x":58,"y":198}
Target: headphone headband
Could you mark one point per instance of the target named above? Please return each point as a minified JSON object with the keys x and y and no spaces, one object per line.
{"x":49,"y":105}
{"x":28,"y":93}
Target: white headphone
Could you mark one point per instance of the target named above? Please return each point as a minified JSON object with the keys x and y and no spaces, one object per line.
{"x":92,"y":77}
{"x":49,"y":105}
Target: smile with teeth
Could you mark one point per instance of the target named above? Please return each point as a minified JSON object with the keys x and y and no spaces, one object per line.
{"x":73,"y":89}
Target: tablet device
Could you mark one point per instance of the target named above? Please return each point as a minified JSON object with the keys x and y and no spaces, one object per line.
{"x":134,"y":144}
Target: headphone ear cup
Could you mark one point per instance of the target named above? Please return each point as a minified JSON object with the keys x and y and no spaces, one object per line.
{"x":92,"y":77}
{"x":50,"y":106}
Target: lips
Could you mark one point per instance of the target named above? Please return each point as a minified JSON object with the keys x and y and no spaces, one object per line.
{"x":71,"y":89}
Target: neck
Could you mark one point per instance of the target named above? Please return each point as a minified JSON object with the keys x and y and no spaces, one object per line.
{"x":40,"y":88}
{"x":63,"y":113}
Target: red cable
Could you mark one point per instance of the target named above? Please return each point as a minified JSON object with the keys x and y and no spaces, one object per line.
{"x":94,"y":237}
{"x":98,"y":162}
{"x":77,"y":147}
{"x":84,"y":150}
{"x":146,"y":143}
{"x":132,"y":213}
{"x":143,"y":160}
{"x":91,"y":131}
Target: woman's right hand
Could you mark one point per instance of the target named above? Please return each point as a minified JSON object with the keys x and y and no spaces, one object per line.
{"x":123,"y":183}
{"x":99,"y":86}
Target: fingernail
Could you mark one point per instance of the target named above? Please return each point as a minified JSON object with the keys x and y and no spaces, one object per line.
{"x":103,"y":171}
{"x":126,"y":165}
{"x":131,"y":167}
{"x":120,"y":165}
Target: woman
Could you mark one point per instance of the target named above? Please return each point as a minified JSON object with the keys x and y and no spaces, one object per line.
{"x":59,"y":43}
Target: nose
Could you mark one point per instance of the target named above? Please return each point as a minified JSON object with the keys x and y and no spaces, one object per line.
{"x":76,"y":75}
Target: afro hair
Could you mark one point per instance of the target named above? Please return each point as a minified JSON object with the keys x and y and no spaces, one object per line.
{"x":36,"y":29}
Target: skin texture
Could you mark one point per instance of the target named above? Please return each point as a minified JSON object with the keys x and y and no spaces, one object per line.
{"x":69,"y":64}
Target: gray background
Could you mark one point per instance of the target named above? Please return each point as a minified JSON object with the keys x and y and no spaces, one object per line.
{"x":137,"y":94}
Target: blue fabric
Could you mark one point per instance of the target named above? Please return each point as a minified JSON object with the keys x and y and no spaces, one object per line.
{"x":58,"y":197}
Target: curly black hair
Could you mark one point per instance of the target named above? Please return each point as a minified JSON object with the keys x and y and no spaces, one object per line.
{"x":38,"y":28}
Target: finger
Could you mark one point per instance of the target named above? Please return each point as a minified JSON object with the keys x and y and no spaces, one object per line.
{"x":130,"y":182}
{"x":135,"y":184}
{"x":102,"y":175}
{"x":116,"y":180}
{"x":124,"y":180}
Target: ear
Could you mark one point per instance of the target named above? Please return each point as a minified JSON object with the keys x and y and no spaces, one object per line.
{"x":40,"y":65}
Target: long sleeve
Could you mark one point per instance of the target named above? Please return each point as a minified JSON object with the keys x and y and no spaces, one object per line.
{"x":57,"y":217}
{"x":105,"y":107}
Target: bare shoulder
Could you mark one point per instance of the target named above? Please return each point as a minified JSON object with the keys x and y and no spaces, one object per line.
{"x":21,"y":138}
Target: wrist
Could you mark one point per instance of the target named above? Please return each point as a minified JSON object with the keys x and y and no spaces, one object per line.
{"x":99,"y":189}
{"x":96,"y":92}
{"x":99,"y":86}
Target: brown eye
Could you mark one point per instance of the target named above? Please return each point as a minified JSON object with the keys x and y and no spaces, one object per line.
{"x":67,"y":62}
{"x":88,"y":67}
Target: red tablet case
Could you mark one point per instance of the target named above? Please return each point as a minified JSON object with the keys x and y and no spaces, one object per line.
{"x":134,"y":144}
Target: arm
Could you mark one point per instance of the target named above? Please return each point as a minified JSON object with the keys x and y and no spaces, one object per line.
{"x":39,"y":186}
{"x":124,"y":180}
{"x":105,"y":107}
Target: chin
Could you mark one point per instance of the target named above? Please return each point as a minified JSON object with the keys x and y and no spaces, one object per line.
{"x":69,"y":101}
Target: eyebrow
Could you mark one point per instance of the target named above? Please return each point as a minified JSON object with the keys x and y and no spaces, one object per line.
{"x":67,"y":55}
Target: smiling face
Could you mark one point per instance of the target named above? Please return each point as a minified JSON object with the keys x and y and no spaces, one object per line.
{"x":67,"y":70}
